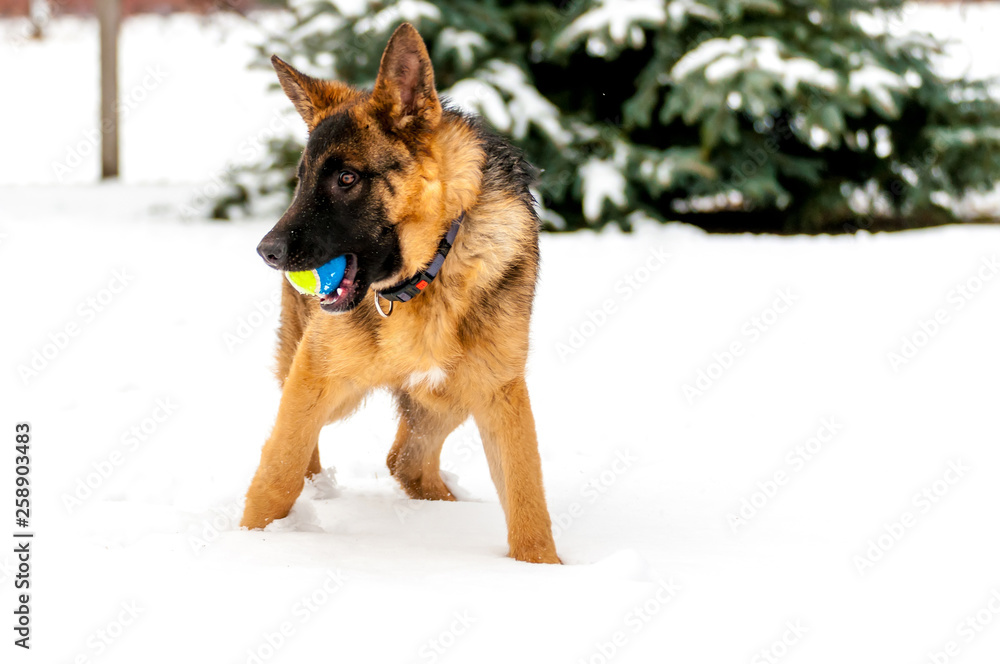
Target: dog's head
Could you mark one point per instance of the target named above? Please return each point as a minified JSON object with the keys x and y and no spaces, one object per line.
{"x":370,"y":179}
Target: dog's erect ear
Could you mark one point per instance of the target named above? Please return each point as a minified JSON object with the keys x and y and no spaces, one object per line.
{"x":313,"y":98}
{"x":404,"y":88}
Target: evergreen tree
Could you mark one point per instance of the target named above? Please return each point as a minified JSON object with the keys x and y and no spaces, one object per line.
{"x":762,"y":115}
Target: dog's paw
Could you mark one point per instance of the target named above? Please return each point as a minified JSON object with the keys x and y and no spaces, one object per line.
{"x":424,"y":487}
{"x":535,"y":552}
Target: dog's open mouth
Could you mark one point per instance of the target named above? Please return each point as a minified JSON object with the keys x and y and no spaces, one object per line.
{"x":341,"y":298}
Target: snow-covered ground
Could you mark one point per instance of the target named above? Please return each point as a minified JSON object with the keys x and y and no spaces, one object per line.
{"x":151,"y":393}
{"x":755,"y":448}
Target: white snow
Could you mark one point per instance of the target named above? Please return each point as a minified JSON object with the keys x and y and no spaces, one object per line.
{"x":463,"y":42}
{"x":525,"y":105}
{"x":969,"y":31}
{"x":624,"y":21}
{"x":405,"y":10}
{"x":172,"y":376}
{"x":602,"y":180}
{"x":475,"y":96}
{"x":680,"y":10}
{"x":723,"y":58}
{"x":840,"y":392}
{"x":617,"y":17}
{"x":707,"y":52}
{"x":879,"y":83}
{"x":189,"y":105}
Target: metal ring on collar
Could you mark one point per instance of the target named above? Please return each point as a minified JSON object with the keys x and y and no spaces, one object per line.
{"x":378,"y":307}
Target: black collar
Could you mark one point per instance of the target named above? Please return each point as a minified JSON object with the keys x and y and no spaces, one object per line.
{"x":409,"y":289}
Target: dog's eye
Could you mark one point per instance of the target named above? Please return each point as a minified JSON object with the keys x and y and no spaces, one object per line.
{"x":346,"y":179}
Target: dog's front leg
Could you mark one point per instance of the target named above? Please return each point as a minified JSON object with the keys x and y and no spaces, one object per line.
{"x":507,"y":428}
{"x":308,"y":401}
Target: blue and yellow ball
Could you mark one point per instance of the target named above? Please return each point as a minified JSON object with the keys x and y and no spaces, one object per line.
{"x":321,"y":281}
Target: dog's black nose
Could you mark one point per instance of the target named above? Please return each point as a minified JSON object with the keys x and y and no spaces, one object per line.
{"x":274,"y":250}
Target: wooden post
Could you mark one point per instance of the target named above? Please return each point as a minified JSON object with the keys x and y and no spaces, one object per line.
{"x":39,"y":13}
{"x":109,"y":18}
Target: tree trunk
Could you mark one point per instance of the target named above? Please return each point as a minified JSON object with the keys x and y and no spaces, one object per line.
{"x":39,"y":13}
{"x":109,"y":17}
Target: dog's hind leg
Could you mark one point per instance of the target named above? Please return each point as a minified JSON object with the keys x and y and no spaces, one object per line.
{"x":314,"y":466}
{"x":415,"y":457}
{"x":508,"y":431}
{"x":307,"y":403}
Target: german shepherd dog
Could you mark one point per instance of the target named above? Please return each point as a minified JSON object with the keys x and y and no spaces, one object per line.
{"x":434,"y":215}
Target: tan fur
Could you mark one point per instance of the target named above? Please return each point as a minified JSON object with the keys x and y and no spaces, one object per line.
{"x":327,"y":363}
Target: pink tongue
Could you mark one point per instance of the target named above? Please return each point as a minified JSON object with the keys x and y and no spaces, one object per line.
{"x":338,"y":292}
